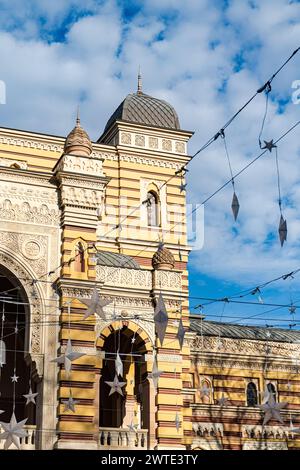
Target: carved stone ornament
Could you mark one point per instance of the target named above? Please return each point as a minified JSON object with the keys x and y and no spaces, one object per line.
{"x":167,"y":145}
{"x":270,"y":432}
{"x":245,"y":347}
{"x":155,"y":162}
{"x":124,"y":277}
{"x":180,"y":147}
{"x":81,"y":197}
{"x":32,"y":247}
{"x":265,"y":445}
{"x":140,"y":140}
{"x":25,"y":212}
{"x":36,"y":309}
{"x":126,"y":138}
{"x":81,"y":164}
{"x":153,"y":142}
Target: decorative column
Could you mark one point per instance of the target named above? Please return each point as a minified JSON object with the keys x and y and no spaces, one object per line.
{"x":173,"y":412}
{"x":81,"y":182}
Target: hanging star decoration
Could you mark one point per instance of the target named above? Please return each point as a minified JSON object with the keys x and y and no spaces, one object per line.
{"x":205,"y":391}
{"x":282,"y":230}
{"x":13,"y":431}
{"x":292,"y":428}
{"x":177,"y":421}
{"x":133,"y":427}
{"x":160,"y":318}
{"x":15,"y":378}
{"x":95,"y":305}
{"x":223,"y":401}
{"x":269,"y":145}
{"x":257,"y":292}
{"x":116,"y":386}
{"x":235,"y":206}
{"x":30,"y":397}
{"x":70,"y":404}
{"x":292,"y":309}
{"x":266,"y":394}
{"x":118,"y":365}
{"x":183,"y":185}
{"x":180,"y":333}
{"x":272,"y":410}
{"x":155,"y":374}
{"x":68,"y":357}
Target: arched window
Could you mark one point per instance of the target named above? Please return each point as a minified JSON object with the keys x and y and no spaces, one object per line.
{"x":205,"y":390}
{"x":272,"y":390}
{"x":153,"y":209}
{"x":79,"y":264}
{"x":251,"y":394}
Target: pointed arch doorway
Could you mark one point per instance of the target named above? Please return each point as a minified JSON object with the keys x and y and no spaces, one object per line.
{"x":136,"y":406}
{"x":14,"y":355}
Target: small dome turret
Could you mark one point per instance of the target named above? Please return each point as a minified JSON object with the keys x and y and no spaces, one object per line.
{"x":163,"y":258}
{"x":78,"y":141}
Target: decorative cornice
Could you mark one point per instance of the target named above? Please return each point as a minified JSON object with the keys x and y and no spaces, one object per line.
{"x":156,"y":162}
{"x":9,"y":163}
{"x":40,"y":143}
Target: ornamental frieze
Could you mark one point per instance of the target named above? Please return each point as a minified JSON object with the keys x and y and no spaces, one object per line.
{"x":81,"y":197}
{"x":151,"y":161}
{"x":243,"y":346}
{"x":124,"y":277}
{"x":82,"y":165}
{"x":168,"y":279}
{"x":26,"y":212}
{"x":220,"y":363}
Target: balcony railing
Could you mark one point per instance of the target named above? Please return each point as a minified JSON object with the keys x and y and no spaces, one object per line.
{"x":26,"y":443}
{"x":116,"y":438}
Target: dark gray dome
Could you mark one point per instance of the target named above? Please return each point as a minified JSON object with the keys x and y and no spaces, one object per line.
{"x":116,"y":260}
{"x":144,"y":109}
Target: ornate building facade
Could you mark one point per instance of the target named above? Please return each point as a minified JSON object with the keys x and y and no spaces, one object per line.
{"x":79,"y":219}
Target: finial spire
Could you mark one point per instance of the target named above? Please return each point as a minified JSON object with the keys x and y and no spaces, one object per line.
{"x":139,"y":89}
{"x":78,"y":117}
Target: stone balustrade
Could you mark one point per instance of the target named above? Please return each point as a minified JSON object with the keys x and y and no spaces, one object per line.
{"x":116,"y":438}
{"x":26,"y":443}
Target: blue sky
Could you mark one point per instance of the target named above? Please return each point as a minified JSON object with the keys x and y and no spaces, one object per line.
{"x":211,"y":57}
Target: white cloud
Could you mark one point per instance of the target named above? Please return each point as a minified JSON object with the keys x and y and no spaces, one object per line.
{"x":188,"y":56}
